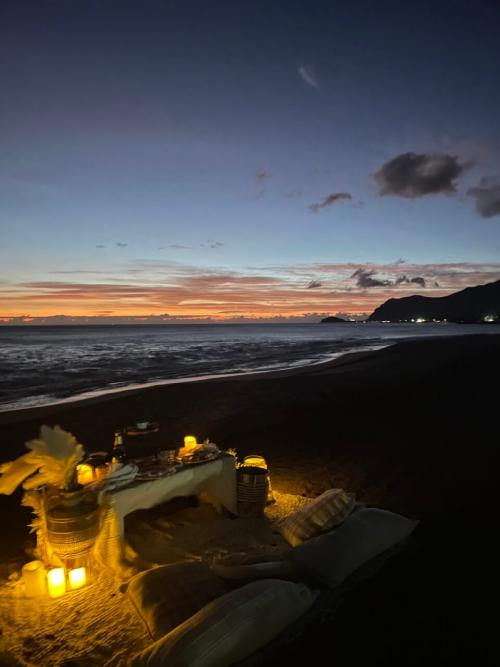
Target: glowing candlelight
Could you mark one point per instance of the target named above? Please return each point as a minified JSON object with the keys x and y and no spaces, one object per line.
{"x":34,"y":579}
{"x":256,"y":461}
{"x":56,"y":582}
{"x":85,"y":474}
{"x":77,"y":578}
{"x":190,"y":442}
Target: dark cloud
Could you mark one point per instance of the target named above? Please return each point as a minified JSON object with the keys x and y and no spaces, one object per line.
{"x":364,"y":279}
{"x":121,"y":245}
{"x":418,"y":281}
{"x":487,"y":196}
{"x":314,"y":283}
{"x":418,"y":174}
{"x":329,"y":200}
{"x":178,"y":246}
{"x":100,"y":246}
{"x":400,"y":261}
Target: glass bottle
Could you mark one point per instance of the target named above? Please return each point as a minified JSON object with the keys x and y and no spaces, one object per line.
{"x":119,"y":454}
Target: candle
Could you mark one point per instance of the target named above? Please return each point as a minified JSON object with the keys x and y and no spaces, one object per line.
{"x":190,"y":442}
{"x":77,"y":578}
{"x":34,"y":579}
{"x":56,"y":582}
{"x":85,"y":473}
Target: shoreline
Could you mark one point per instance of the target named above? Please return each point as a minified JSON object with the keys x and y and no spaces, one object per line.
{"x":103,"y":395}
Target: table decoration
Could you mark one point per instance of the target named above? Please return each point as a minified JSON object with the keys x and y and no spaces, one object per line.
{"x":56,"y":582}
{"x":34,"y":578}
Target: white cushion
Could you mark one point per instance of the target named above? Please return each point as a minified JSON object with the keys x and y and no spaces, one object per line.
{"x":332,"y":557}
{"x":166,"y":596}
{"x":230,"y":628}
{"x":319,"y":516}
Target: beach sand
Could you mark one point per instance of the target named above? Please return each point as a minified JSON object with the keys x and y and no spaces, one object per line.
{"x":411,"y":428}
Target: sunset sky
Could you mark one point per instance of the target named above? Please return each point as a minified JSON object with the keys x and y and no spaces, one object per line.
{"x":232,"y":160}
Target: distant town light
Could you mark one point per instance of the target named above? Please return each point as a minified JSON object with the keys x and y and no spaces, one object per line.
{"x":490,"y":318}
{"x":419,"y":320}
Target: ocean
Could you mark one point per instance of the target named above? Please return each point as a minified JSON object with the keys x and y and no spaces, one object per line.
{"x":41,"y":365}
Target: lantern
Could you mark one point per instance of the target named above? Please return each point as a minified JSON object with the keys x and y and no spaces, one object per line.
{"x":258,"y":461}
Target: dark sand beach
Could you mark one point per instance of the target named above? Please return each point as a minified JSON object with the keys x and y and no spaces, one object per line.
{"x":411,"y":428}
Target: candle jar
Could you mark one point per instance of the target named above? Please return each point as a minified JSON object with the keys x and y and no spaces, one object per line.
{"x":34,"y":578}
{"x":56,"y":582}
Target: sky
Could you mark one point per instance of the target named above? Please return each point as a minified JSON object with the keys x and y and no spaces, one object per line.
{"x":216,"y":160}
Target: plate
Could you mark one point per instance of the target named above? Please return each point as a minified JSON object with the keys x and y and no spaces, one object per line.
{"x":205,"y":459}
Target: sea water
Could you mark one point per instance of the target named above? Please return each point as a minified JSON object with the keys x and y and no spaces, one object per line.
{"x":48,"y":364}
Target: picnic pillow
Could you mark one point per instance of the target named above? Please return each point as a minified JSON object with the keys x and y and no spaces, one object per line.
{"x":250,"y":568}
{"x":332,"y":557}
{"x":166,"y":596}
{"x":318,"y":516}
{"x":232,"y":627}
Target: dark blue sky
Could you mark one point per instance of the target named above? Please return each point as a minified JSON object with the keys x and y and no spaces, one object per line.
{"x":145,"y":142}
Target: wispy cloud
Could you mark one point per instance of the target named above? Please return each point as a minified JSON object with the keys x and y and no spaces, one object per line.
{"x":121,"y":245}
{"x":212,"y":244}
{"x":152,"y":287}
{"x":329,"y":200}
{"x":308,"y":75}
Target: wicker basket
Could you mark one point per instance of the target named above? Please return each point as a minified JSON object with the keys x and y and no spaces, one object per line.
{"x":72,"y":525}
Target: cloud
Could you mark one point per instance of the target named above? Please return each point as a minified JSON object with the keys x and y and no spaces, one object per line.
{"x":417,"y":174}
{"x":487,"y":196}
{"x":364,"y":279}
{"x":308,"y":75}
{"x":329,"y":200}
{"x":100,"y":246}
{"x":262,"y":175}
{"x":418,"y":281}
{"x":178,"y":246}
{"x":121,"y":245}
{"x":146,"y":288}
{"x":211,"y":244}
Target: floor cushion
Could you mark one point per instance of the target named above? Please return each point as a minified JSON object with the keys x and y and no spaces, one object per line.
{"x":166,"y":596}
{"x":332,"y":557}
{"x":319,"y":516}
{"x":232,"y":627}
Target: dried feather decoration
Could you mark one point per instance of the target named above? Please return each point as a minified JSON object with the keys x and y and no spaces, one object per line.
{"x":52,"y":461}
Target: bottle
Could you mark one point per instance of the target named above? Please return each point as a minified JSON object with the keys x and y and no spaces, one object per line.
{"x":119,"y":455}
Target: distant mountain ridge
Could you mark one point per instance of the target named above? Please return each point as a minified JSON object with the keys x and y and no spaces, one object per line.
{"x":470,"y":305}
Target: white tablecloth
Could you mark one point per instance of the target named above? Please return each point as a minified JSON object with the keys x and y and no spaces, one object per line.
{"x":216,"y":478}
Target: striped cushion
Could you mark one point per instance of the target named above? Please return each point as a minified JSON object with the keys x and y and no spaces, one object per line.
{"x":321,"y":515}
{"x":232,"y":627}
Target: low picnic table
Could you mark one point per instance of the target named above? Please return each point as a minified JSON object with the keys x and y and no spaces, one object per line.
{"x":216,"y":479}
